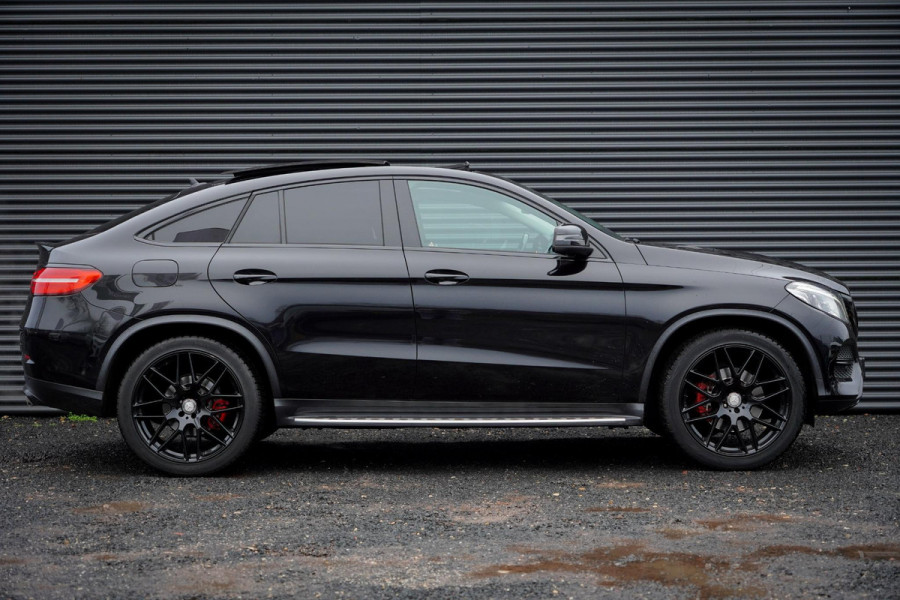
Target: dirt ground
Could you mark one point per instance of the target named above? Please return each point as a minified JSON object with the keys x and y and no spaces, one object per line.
{"x":467,"y":513}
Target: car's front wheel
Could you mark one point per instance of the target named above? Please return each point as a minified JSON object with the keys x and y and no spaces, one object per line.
{"x":733,"y":399}
{"x":189,"y":406}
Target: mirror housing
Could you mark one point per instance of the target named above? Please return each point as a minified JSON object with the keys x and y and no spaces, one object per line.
{"x":571,"y":241}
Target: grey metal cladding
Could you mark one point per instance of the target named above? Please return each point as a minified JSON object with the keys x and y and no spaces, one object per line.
{"x":770,"y":126}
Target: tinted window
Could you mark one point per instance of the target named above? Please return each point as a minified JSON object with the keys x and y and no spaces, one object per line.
{"x":334,"y":213}
{"x":207,"y":226}
{"x":262,"y":221}
{"x":453,"y":215}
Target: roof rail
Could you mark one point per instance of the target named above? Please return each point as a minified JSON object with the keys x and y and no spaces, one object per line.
{"x":463,"y":166}
{"x":299,"y":167}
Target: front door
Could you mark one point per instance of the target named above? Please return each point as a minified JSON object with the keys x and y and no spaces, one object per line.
{"x":498,"y":316}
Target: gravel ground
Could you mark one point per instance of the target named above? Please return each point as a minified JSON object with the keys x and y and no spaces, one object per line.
{"x":513,"y":513}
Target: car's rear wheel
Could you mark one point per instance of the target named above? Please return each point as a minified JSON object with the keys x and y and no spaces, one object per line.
{"x":733,"y":399}
{"x":189,"y":406}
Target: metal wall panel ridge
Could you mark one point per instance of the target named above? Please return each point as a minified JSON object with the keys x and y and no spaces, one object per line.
{"x":764,"y":126}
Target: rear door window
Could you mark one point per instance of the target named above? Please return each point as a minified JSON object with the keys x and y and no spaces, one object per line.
{"x":346,"y":213}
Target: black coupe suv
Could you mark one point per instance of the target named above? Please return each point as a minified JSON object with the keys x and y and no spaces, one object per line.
{"x":332,"y":294}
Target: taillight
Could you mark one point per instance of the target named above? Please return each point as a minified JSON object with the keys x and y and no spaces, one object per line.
{"x":55,"y":281}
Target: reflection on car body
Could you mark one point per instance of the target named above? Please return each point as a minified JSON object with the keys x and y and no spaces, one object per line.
{"x":371,"y":295}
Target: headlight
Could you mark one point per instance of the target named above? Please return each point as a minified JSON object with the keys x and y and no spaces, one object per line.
{"x":819,"y":298}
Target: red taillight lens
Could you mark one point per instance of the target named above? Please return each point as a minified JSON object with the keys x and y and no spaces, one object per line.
{"x":55,"y":281}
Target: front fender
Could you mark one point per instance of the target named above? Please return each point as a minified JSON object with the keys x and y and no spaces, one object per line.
{"x":717,"y":315}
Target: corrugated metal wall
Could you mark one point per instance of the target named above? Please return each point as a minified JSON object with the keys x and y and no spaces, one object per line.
{"x":766,"y":126}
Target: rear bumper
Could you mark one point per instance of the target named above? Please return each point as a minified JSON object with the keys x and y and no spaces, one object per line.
{"x":69,"y":398}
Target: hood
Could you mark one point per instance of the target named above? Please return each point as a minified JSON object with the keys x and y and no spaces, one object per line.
{"x":730,"y":261}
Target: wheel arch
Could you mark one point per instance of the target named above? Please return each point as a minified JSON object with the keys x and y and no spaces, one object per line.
{"x":149,"y":331}
{"x":775,"y":326}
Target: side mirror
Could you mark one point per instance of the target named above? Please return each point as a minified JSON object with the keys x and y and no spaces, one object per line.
{"x":571,"y":241}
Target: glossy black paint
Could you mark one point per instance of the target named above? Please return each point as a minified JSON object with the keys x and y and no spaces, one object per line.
{"x":343,"y":314}
{"x":563,"y":337}
{"x":404,"y":324}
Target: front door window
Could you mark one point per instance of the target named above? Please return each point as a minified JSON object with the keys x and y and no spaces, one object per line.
{"x":453,"y":215}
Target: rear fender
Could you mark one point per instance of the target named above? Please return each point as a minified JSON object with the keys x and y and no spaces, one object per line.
{"x":259,"y":347}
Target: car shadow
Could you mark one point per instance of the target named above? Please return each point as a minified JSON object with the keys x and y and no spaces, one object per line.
{"x":468,"y":449}
{"x":404,"y":451}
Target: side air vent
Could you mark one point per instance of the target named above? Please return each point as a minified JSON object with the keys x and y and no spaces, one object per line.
{"x":843,"y":364}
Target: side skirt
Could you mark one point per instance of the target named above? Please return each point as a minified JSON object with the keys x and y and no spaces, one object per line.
{"x":292,"y":412}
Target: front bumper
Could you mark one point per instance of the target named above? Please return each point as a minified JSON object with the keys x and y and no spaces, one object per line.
{"x":845,"y":394}
{"x":833,"y":355}
{"x":81,"y":401}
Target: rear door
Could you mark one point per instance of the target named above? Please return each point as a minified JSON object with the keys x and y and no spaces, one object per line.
{"x":319,"y":271}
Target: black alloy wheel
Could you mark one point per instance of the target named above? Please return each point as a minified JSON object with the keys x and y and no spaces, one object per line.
{"x":733,"y":399}
{"x":189,"y":406}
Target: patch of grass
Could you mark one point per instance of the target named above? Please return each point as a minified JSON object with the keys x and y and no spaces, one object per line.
{"x":81,"y":418}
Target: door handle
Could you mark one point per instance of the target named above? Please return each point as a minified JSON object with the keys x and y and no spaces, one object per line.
{"x":446,"y":277}
{"x":254,"y":276}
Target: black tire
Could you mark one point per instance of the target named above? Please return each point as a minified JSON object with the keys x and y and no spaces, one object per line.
{"x":654,"y":426}
{"x":267,"y":428}
{"x":732,"y":399}
{"x":189,"y":406}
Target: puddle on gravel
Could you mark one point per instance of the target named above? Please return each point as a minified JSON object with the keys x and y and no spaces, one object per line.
{"x":673,"y":533}
{"x":870,"y":552}
{"x":635,"y":563}
{"x":113,"y":508}
{"x":713,"y":576}
{"x":856,"y":552}
{"x":742,"y":522}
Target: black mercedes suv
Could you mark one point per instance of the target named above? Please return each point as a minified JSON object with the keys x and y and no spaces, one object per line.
{"x":329,"y":294}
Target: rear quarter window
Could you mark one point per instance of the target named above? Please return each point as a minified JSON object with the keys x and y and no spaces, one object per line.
{"x":211,"y":225}
{"x":261,"y":224}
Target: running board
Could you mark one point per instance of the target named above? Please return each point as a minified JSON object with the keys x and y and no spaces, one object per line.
{"x":291,"y":412}
{"x":464,"y":422}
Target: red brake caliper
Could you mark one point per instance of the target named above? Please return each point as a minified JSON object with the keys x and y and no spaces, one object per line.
{"x":217,"y":404}
{"x":704,"y":409}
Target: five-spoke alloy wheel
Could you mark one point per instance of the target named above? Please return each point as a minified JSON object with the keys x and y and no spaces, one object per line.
{"x":733,"y":399}
{"x":189,"y":406}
